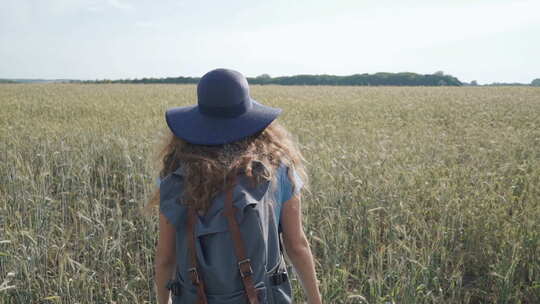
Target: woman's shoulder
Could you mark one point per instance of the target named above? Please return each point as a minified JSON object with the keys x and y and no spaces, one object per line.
{"x":288,"y":181}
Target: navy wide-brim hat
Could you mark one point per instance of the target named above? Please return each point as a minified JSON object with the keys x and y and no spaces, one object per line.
{"x":225,"y":112}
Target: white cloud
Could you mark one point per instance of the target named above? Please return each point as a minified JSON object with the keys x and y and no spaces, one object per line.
{"x":120,"y":4}
{"x":146,"y":24}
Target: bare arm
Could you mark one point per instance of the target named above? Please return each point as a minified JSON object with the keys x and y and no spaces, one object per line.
{"x":165,"y":259}
{"x":297,"y":248}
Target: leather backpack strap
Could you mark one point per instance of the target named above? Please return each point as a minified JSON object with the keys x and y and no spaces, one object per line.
{"x":244,"y":263}
{"x":193,"y":272}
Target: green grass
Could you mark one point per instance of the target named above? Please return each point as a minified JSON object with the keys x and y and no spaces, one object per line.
{"x":419,"y":195}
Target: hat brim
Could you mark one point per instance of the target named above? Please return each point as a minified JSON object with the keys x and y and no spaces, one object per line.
{"x":189,"y":124}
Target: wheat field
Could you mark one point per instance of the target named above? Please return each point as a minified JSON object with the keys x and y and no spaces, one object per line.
{"x":417,"y":195}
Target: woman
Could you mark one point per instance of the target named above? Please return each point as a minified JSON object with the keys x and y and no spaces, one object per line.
{"x":229,"y":151}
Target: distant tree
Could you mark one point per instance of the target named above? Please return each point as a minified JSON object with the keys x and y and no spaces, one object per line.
{"x":536,"y":82}
{"x":474,"y":83}
{"x":261,"y":79}
{"x":439,"y":73}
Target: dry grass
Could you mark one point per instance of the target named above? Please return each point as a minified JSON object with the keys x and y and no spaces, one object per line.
{"x":419,"y":195}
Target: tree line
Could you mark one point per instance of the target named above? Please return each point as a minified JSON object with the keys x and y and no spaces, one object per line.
{"x":377,"y":79}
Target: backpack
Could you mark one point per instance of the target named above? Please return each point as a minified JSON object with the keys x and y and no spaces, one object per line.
{"x":234,"y":253}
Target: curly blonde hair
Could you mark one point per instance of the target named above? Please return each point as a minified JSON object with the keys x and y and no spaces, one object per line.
{"x":205,"y":168}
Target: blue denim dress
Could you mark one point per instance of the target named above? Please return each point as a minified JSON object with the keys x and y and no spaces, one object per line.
{"x":261,"y":236}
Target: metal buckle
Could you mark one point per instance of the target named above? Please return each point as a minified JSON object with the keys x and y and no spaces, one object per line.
{"x":279,"y":278}
{"x":194,"y":275}
{"x":174,"y":287}
{"x":248,"y":271}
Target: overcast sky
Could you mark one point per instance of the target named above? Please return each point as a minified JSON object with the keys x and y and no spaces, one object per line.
{"x":487,"y":41}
